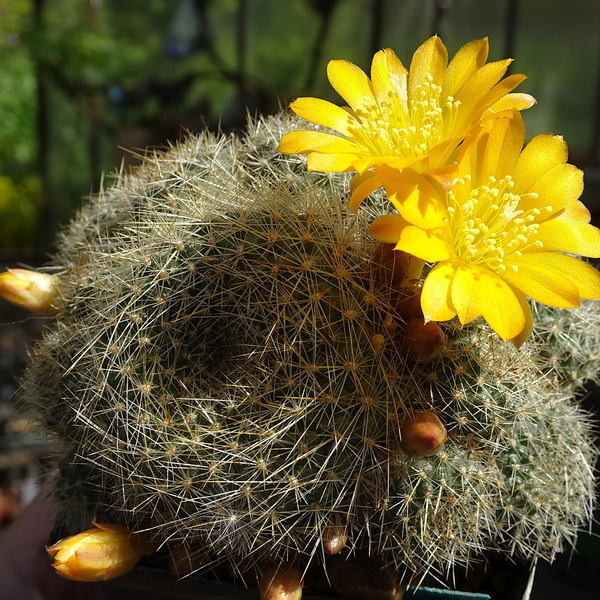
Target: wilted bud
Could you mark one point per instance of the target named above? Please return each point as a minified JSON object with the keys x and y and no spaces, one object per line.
{"x":280,"y":582}
{"x":390,"y":266}
{"x":423,"y":434}
{"x":29,"y":289}
{"x":422,"y":341}
{"x":334,"y":539}
{"x":98,"y":554}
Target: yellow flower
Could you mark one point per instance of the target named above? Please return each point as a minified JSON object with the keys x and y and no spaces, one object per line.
{"x":102,"y":553}
{"x":403,"y":118}
{"x":499,"y":232}
{"x":29,"y":289}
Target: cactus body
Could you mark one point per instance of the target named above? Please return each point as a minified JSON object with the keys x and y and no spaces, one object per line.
{"x":226,"y":371}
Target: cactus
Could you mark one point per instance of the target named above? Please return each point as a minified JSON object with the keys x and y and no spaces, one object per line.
{"x":227,"y":370}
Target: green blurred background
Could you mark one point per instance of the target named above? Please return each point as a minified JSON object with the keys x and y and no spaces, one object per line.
{"x":81,"y":81}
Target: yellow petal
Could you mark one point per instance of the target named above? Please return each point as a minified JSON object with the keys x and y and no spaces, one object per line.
{"x":560,"y":186}
{"x":480,"y":83}
{"x":575,"y":237}
{"x":330,"y":163}
{"x":298,"y":142}
{"x":494,"y":154}
{"x":351,"y":83}
{"x":516,"y":100}
{"x":387,"y":228}
{"x":541,"y":276}
{"x":542,"y":153}
{"x":324,"y":113}
{"x":520,"y":338}
{"x":477,"y":291}
{"x":430,"y":58}
{"x":423,"y":244}
{"x":576,"y":211}
{"x":582,"y":274}
{"x":435,"y":295}
{"x":466,"y":61}
{"x":385,"y":68}
{"x":361,"y":186}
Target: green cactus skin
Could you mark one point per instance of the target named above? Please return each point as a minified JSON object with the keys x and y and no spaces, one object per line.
{"x":213,"y":377}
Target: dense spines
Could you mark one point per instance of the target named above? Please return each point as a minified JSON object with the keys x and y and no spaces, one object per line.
{"x":226,"y":372}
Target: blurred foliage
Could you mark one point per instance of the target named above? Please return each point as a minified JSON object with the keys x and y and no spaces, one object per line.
{"x":99,"y":74}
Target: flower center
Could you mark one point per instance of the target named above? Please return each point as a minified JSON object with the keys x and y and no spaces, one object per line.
{"x":488,"y":227}
{"x":403,"y":126}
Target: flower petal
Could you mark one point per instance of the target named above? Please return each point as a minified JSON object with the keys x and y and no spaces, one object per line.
{"x":477,"y":291}
{"x":516,"y":100}
{"x":386,"y":70}
{"x":542,"y":153}
{"x":298,"y":142}
{"x":466,"y":62}
{"x":423,"y":244}
{"x":387,"y":228}
{"x":575,"y":237}
{"x":430,"y":59}
{"x":362,"y":185}
{"x":560,"y":186}
{"x":351,"y":83}
{"x":323,"y":113}
{"x":541,"y":276}
{"x":435,"y":295}
{"x":521,"y":337}
{"x":330,"y":163}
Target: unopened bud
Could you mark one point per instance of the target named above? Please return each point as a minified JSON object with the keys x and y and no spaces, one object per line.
{"x":390,"y":266}
{"x":29,"y":289}
{"x":98,"y":554}
{"x":334,"y":539}
{"x":422,"y":433}
{"x":422,"y":341}
{"x":280,"y":582}
{"x":408,"y":305}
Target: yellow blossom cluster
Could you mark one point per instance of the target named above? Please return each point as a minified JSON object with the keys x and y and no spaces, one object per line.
{"x":499,"y":221}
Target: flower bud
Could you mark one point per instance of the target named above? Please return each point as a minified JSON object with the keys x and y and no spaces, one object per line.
{"x":408,"y":306}
{"x":334,"y":539}
{"x":29,"y":289}
{"x":422,"y":341}
{"x":389,"y":266}
{"x":280,"y":582}
{"x":98,"y":554}
{"x":422,"y":434}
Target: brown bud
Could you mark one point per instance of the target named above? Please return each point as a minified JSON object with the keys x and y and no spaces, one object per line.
{"x":334,"y":539}
{"x":408,"y":305}
{"x":423,"y":434}
{"x":422,"y":341}
{"x":389,"y":266}
{"x":377,"y":342}
{"x":280,"y":582}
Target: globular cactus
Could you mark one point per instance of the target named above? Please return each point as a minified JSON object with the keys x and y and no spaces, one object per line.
{"x":228,"y":370}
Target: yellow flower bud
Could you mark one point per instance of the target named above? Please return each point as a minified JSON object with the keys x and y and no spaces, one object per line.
{"x":423,"y":434}
{"x":98,"y":554}
{"x":283,"y":582}
{"x":30,"y":289}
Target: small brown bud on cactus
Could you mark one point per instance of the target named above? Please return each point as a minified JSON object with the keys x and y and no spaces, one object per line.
{"x":98,"y":554}
{"x":423,"y":434}
{"x":390,"y":266}
{"x":377,"y":341}
{"x":334,"y":539}
{"x":409,"y":304}
{"x":280,"y":582}
{"x":29,"y":289}
{"x":422,"y":341}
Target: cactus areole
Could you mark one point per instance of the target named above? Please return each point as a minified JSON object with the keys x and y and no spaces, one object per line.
{"x":228,"y":371}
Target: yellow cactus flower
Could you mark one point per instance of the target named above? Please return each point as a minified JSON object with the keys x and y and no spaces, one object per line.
{"x":98,"y":554}
{"x":499,"y":232}
{"x":29,"y":289}
{"x":404,"y":118}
